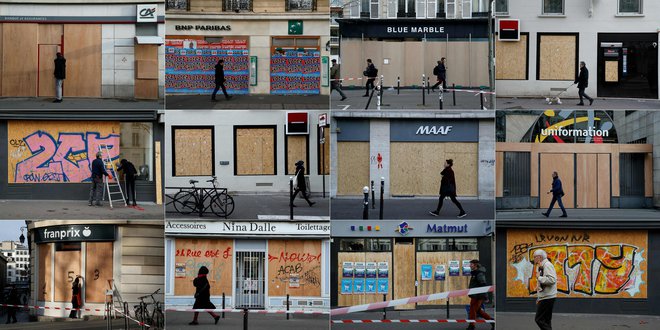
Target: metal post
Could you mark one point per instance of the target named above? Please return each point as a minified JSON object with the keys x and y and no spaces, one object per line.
{"x":384,"y":308}
{"x":143,"y":318}
{"x":398,"y":85}
{"x":223,"y":305}
{"x":378,"y":100}
{"x":373,"y":195}
{"x":290,"y":198}
{"x":447,"y":308}
{"x":245,"y":319}
{"x":482,"y":101}
{"x":382,"y":192}
{"x":440,"y":96}
{"x":126,"y":320}
{"x":381,"y":90}
{"x":428,"y":85}
{"x":108,"y":324}
{"x":365,"y":203}
{"x":423,"y":87}
{"x":369,"y":100}
{"x":323,"y":163}
{"x":288,"y":303}
{"x":453,"y":92}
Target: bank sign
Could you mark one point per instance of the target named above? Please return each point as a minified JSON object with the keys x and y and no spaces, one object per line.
{"x":434,"y":130}
{"x":146,"y":13}
{"x":75,"y":233}
{"x":250,"y":228}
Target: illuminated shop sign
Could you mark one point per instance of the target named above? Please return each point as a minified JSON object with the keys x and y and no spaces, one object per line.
{"x":75,"y":233}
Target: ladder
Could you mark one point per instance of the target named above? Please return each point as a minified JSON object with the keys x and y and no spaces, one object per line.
{"x":111,"y":187}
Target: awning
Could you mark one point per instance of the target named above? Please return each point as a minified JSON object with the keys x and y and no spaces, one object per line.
{"x":149,"y":40}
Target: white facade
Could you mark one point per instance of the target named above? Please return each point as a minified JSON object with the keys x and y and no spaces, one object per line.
{"x":588,"y":18}
{"x":18,"y":261}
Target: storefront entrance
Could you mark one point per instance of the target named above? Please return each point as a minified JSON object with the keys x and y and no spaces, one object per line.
{"x":404,"y":270}
{"x":250,"y":279}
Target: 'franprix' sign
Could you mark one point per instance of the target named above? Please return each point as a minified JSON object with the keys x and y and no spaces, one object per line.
{"x":75,"y":233}
{"x":247,"y":227}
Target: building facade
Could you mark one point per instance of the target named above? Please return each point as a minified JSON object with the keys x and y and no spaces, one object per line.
{"x":408,"y":150}
{"x":269,"y":47}
{"x":406,"y":38}
{"x":18,"y":262}
{"x":618,"y":41}
{"x":373,"y":261}
{"x":113,"y":49}
{"x":252,"y":264}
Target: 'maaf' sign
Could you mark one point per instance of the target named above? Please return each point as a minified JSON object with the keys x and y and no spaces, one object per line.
{"x":74,"y":233}
{"x":434,"y":130}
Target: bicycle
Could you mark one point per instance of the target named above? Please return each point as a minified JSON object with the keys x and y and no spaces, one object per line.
{"x":155,"y":318}
{"x":195,"y":199}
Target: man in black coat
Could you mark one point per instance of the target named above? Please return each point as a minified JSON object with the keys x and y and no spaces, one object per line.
{"x":448,"y":189}
{"x":557,"y":191}
{"x":300,"y":186}
{"x":98,"y":171}
{"x":477,"y":279}
{"x":583,"y":83}
{"x":440,"y":71}
{"x":220,"y":80}
{"x":370,"y":73}
{"x":129,"y":174}
{"x":60,"y":75}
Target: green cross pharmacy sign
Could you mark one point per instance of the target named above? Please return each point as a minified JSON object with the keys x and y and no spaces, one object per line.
{"x":295,"y":27}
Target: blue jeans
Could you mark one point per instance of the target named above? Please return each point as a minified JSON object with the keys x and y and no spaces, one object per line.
{"x":556,"y":198}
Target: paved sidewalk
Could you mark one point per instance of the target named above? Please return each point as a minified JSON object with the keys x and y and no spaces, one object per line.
{"x":570,"y":103}
{"x":67,"y":325}
{"x":419,"y":314}
{"x":564,"y":321}
{"x":407,"y":99}
{"x":580,"y":214}
{"x":73,"y":210}
{"x":180,"y":320}
{"x":78,"y":103}
{"x":411,"y":209}
{"x":244,"y":102}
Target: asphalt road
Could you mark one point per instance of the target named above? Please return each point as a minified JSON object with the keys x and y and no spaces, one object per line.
{"x":411,"y":209}
{"x":580,"y":214}
{"x":571,"y":103}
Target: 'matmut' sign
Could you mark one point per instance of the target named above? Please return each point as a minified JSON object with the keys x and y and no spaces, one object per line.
{"x":74,"y":233}
{"x":444,"y":228}
{"x":429,"y":130}
{"x":247,"y":228}
{"x":411,"y":228}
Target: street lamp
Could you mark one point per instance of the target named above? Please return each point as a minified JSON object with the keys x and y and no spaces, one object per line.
{"x":22,"y":237}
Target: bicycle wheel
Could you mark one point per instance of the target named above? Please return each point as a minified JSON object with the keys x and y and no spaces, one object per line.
{"x":158,"y":319}
{"x":219,"y":207}
{"x":138,"y":313}
{"x":185,"y":202}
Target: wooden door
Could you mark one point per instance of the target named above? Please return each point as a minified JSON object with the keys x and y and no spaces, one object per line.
{"x":98,"y":270}
{"x":47,"y":55}
{"x":563,"y":164}
{"x":146,"y":72}
{"x":67,"y":267}
{"x":403,"y":269}
{"x":82,"y":50}
{"x":587,"y":181}
{"x":604,"y":181}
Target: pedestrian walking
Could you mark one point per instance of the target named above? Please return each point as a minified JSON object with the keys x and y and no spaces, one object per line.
{"x":582,"y":83}
{"x":440,"y":71}
{"x":448,"y":189}
{"x":129,"y":175}
{"x":371,"y":73}
{"x":546,"y":290}
{"x":220,"y":80}
{"x":203,"y":295}
{"x":477,"y":279}
{"x":557,"y":193}
{"x":60,"y":75}
{"x":76,"y":298}
{"x":12,"y":299}
{"x":299,"y":184}
{"x":98,"y":171}
{"x":335,"y":82}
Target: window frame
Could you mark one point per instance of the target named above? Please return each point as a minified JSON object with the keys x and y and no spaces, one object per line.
{"x":563,"y":9}
{"x":287,"y":5}
{"x":448,"y":243}
{"x":538,"y":53}
{"x":366,"y":245}
{"x":502,"y":13}
{"x":639,"y":12}
{"x":173,"y":129}
{"x":226,"y":5}
{"x":167,"y":5}
{"x":235,"y":151}
{"x":371,"y":6}
{"x":392,"y":11}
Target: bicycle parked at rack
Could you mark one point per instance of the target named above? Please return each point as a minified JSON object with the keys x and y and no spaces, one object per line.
{"x":200,"y":200}
{"x":154,"y":318}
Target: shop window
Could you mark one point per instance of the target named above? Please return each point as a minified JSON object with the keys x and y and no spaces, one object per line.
{"x":516,"y":175}
{"x":177,"y":5}
{"x":392,"y":8}
{"x":630,"y":7}
{"x":502,"y":7}
{"x":447,"y":244}
{"x":379,"y":244}
{"x":556,"y":56}
{"x":374,"y":9}
{"x":351,"y":245}
{"x":136,"y":145}
{"x":296,"y":148}
{"x":352,"y":9}
{"x":323,"y":152}
{"x":553,"y":7}
{"x":193,"y":151}
{"x":302,"y":5}
{"x":631,"y":174}
{"x":255,"y":150}
{"x":512,"y":59}
{"x":431,"y":244}
{"x":237,"y":5}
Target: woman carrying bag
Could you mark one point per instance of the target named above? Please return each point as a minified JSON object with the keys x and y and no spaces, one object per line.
{"x":448,"y":189}
{"x":203,"y":295}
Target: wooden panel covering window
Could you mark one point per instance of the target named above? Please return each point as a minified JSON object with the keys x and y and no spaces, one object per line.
{"x":404,"y":271}
{"x":146,"y":71}
{"x":587,"y":181}
{"x":45,"y":272}
{"x":557,"y":57}
{"x":50,"y":34}
{"x":604,"y":181}
{"x":299,"y":259}
{"x":611,"y":71}
{"x":352,"y":167}
{"x":512,"y":59}
{"x":255,"y":150}
{"x":98,"y":270}
{"x":451,"y":283}
{"x":82,"y":50}
{"x":193,"y":151}
{"x":19,"y":59}
{"x":214,"y":254}
{"x":67,"y":267}
{"x":47,"y":54}
{"x":324,"y":153}
{"x":296,"y":149}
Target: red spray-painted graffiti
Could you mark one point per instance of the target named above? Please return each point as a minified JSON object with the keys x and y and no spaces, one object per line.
{"x":207,"y":253}
{"x":295,"y":257}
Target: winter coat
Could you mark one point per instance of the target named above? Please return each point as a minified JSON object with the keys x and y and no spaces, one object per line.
{"x":334,"y":72}
{"x":202,"y":293}
{"x":547,"y":281}
{"x":583,"y":78}
{"x":128,"y":168}
{"x":60,"y":68}
{"x":557,"y":189}
{"x":219,"y":74}
{"x":440,"y":71}
{"x":448,"y":182}
{"x":98,"y":169}
{"x":478,"y":279}
{"x":300,"y":178}
{"x":371,"y":72}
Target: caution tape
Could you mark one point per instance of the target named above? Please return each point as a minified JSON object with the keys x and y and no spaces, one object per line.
{"x":140,"y":323}
{"x":411,"y":300}
{"x":349,"y":79}
{"x":56,"y":308}
{"x":410,"y":321}
{"x":475,"y":91}
{"x":253,"y":311}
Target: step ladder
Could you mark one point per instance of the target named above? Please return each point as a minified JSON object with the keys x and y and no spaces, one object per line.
{"x":112,"y":188}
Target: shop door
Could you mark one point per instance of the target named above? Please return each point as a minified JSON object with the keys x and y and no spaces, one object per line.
{"x":403,"y":269}
{"x":627,"y":65}
{"x":47,"y":54}
{"x":593,"y":181}
{"x":564,"y":165}
{"x":631,"y":180}
{"x":250,"y":279}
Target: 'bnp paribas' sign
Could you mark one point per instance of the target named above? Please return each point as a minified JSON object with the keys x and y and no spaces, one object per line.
{"x":429,"y":130}
{"x":74,"y":233}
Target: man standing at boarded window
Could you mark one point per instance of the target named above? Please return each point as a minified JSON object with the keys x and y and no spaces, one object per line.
{"x":98,"y":171}
{"x":60,"y":75}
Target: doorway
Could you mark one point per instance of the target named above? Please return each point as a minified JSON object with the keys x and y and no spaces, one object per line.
{"x":403,"y":270}
{"x":250,"y":279}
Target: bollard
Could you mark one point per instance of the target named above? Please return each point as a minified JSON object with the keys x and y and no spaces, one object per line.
{"x":453,"y":92}
{"x":365,"y":209}
{"x":291,"y":198}
{"x":447,"y":308}
{"x":108,"y":324}
{"x":382,"y":192}
{"x":288,"y":303}
{"x":143,"y":319}
{"x":440,"y":96}
{"x":245,"y":319}
{"x":381,"y":90}
{"x":369,"y":100}
{"x":428,"y":86}
{"x":482,"y":100}
{"x":398,"y":85}
{"x":423,"y":87}
{"x":223,"y":305}
{"x":385,"y":308}
{"x":373,"y":195}
{"x":127,"y":322}
{"x":378,"y":95}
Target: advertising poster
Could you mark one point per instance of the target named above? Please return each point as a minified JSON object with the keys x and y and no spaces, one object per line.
{"x":371,"y":269}
{"x":383,"y":269}
{"x":360,"y":270}
{"x":383,"y":285}
{"x":346,"y":286}
{"x":466,"y":268}
{"x":454,"y":268}
{"x":347,"y":269}
{"x":440,"y":272}
{"x":294,"y":72}
{"x":370,"y":285}
{"x":180,"y":269}
{"x":294,"y":280}
{"x":427,"y":272}
{"x":358,"y":285}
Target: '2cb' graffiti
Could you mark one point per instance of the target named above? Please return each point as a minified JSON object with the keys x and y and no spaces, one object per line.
{"x":66,"y":158}
{"x":606,"y":269}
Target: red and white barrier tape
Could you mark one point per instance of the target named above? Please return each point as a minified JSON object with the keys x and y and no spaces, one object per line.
{"x":349,"y":79}
{"x":475,"y":91}
{"x":411,"y":300}
{"x":253,"y":311}
{"x":140,"y":323}
{"x":56,"y":308}
{"x":410,"y":321}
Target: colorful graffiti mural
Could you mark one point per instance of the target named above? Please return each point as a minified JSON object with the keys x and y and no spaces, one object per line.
{"x":57,"y":152}
{"x":190,"y":66}
{"x":572,"y":126}
{"x":295,"y":73}
{"x":589,"y":263}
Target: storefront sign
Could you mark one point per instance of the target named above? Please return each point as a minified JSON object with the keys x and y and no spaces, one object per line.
{"x":403,"y":228}
{"x":253,"y":71}
{"x":297,"y":123}
{"x":566,"y":126}
{"x":434,"y":130}
{"x":444,"y":228}
{"x":508,"y":30}
{"x":147,"y":13}
{"x":325,"y":71}
{"x":323,"y":120}
{"x":74,"y":233}
{"x":246,"y":228}
{"x":413,"y":228}
{"x":202,"y":27}
{"x":413,"y":28}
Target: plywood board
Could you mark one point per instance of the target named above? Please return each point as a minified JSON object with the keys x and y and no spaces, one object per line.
{"x":19,"y":59}
{"x":255,"y":151}
{"x":146,"y":89}
{"x":158,"y":173}
{"x":296,"y":150}
{"x":82,"y":50}
{"x":451,"y":283}
{"x":98,"y":270}
{"x":393,"y":51}
{"x":50,"y":34}
{"x":611,"y":71}
{"x":325,"y":152}
{"x":589,"y":263}
{"x":291,"y":259}
{"x":604,"y":185}
{"x":557,"y":57}
{"x":67,"y":267}
{"x":193,"y":151}
{"x":563,"y":164}
{"x":352,"y":167}
{"x":413,"y":65}
{"x":404,"y":273}
{"x":214,"y":254}
{"x":358,"y":299}
{"x":415,"y":167}
{"x":47,"y":54}
{"x":45,"y":272}
{"x":511,"y":59}
{"x":587,"y":181}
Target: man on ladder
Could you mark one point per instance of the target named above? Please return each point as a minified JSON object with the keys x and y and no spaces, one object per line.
{"x":98,"y":171}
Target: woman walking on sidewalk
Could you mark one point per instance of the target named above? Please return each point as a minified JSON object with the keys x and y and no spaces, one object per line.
{"x":448,"y":189}
{"x":203,"y":295}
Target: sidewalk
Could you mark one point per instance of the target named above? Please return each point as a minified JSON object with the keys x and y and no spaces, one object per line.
{"x":564,"y":321}
{"x":67,"y":325}
{"x":253,"y":207}
{"x":407,"y":99}
{"x":419,"y":314}
{"x":78,"y":103}
{"x":180,"y":320}
{"x":517,"y":103}
{"x":579,"y":214}
{"x":73,"y":210}
{"x":243,"y":102}
{"x":412,"y":209}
